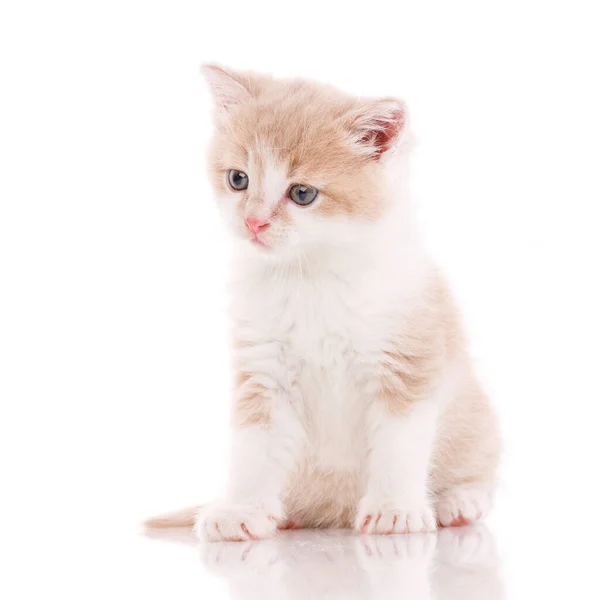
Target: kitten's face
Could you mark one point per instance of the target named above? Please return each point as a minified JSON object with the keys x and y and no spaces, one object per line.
{"x":295,"y":165}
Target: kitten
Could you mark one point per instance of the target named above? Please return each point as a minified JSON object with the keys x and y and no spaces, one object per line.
{"x":355,"y":403}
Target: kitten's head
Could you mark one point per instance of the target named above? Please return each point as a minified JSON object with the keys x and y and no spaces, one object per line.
{"x":298,"y":165}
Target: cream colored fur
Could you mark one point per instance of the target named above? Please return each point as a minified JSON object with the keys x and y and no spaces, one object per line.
{"x":355,"y":402}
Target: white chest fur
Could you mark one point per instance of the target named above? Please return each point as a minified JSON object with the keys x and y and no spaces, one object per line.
{"x":333,"y":352}
{"x":319,"y":335}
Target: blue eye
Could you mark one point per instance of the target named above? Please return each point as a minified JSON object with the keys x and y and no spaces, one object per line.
{"x":237,"y":180}
{"x":303,"y":194}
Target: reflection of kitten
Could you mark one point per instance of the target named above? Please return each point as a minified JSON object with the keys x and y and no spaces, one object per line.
{"x":355,"y":402}
{"x":338,"y":565}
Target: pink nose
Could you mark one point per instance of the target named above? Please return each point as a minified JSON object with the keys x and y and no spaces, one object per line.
{"x":256,"y":225}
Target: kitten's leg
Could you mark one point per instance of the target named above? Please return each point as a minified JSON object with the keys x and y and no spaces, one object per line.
{"x":266,"y":441}
{"x":463,"y":476}
{"x":401,"y":444}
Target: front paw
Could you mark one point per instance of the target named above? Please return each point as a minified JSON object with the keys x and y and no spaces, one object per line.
{"x":385,"y":519}
{"x":233,"y":522}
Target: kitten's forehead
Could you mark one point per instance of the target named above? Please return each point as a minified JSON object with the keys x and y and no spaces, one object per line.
{"x":295,"y":126}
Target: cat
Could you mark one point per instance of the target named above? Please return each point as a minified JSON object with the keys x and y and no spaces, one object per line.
{"x":355,"y":401}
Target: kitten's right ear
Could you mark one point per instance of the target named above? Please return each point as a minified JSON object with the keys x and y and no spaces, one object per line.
{"x":229,"y":89}
{"x":377,"y":125}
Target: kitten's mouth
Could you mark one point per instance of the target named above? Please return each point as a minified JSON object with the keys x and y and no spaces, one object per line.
{"x":258,"y":242}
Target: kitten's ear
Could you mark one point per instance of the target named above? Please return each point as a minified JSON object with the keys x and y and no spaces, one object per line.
{"x":229,"y":89}
{"x":376,"y":126}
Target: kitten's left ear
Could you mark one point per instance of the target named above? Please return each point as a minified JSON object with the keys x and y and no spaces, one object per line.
{"x":377,"y":126}
{"x":229,"y":88}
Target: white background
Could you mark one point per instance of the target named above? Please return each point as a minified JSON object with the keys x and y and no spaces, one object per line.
{"x":114,"y":375}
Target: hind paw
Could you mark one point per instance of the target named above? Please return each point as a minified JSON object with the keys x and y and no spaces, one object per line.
{"x":463,"y":506}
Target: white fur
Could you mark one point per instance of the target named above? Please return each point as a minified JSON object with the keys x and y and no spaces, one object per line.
{"x":274,"y":184}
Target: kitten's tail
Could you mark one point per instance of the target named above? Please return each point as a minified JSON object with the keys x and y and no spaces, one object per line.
{"x":179,"y":518}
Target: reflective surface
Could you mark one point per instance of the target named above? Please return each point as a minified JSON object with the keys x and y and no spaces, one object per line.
{"x":459,"y":563}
